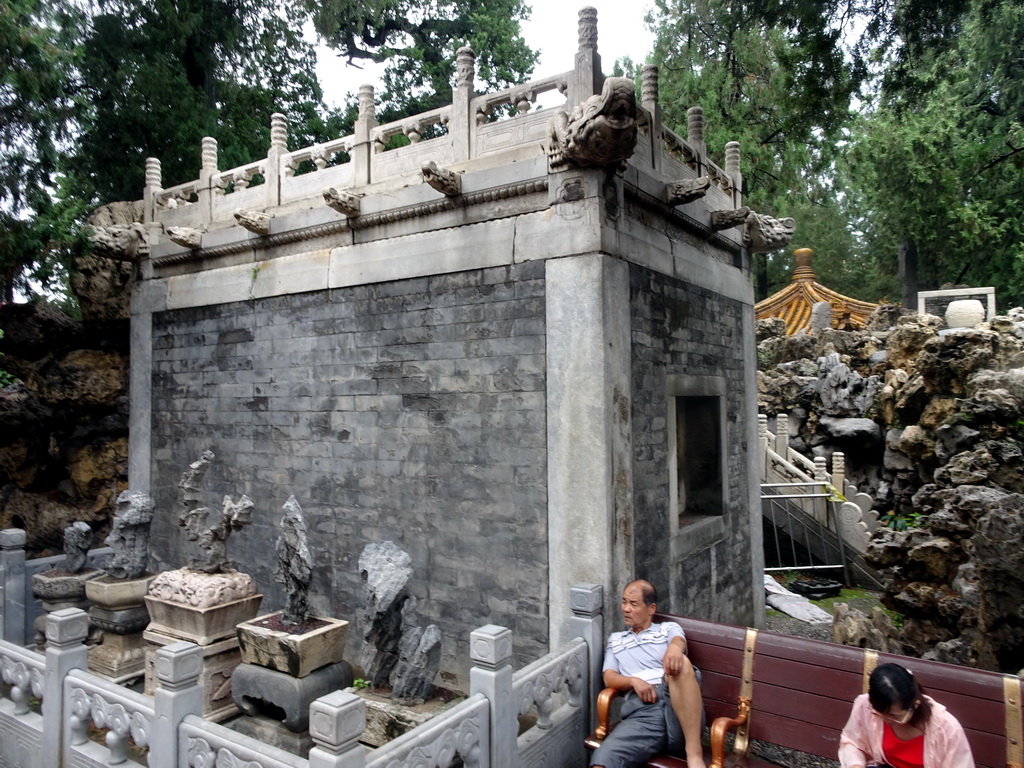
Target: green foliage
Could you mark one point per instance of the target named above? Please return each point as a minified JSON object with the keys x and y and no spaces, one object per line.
{"x":939,"y":164}
{"x":360,"y":684}
{"x":38,"y":103}
{"x":900,"y":521}
{"x":160,"y":76}
{"x":419,"y":41}
{"x":5,"y":377}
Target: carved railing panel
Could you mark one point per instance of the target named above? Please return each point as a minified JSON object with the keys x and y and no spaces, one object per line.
{"x":312,"y":185}
{"x":24,"y":671}
{"x":536,"y":685}
{"x":127,"y":716}
{"x":518,"y":100}
{"x":411,"y":159}
{"x":209,"y":745}
{"x":462,"y":731}
{"x":529,"y":131}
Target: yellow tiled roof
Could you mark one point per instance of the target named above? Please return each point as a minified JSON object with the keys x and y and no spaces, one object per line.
{"x":793,"y":303}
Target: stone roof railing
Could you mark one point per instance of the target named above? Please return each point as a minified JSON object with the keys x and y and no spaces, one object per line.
{"x":474,"y":130}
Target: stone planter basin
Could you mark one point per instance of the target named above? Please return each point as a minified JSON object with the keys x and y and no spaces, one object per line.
{"x":59,"y":586}
{"x":265,"y":644}
{"x":200,"y":625}
{"x":114,"y":594}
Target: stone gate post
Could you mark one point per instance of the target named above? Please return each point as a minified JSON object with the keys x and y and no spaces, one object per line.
{"x":177,"y":667}
{"x":66,"y":631}
{"x":491,"y":650}
{"x":336,"y":721}
{"x":12,"y":564}
{"x":587,"y":603}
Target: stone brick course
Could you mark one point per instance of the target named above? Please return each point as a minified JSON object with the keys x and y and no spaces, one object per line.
{"x":412,"y":410}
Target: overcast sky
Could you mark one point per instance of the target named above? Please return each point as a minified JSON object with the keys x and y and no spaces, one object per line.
{"x":552,"y":29}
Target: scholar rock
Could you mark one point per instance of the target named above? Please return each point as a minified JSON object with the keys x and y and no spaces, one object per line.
{"x":129,"y":535}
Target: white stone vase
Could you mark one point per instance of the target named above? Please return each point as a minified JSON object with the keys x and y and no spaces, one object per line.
{"x":964,"y":313}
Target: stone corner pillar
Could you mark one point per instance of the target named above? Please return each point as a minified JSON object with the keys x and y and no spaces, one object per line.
{"x":66,"y":630}
{"x":587,"y":622}
{"x":12,"y":563}
{"x":490,"y":649}
{"x":589,"y":418}
{"x":177,"y":666}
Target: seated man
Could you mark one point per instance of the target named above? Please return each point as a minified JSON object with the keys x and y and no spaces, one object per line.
{"x":662,"y":710}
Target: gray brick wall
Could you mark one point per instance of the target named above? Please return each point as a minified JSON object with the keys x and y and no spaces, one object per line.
{"x":412,"y":411}
{"x":682,"y":329}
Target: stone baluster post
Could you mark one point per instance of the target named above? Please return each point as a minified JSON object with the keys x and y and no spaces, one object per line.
{"x":839,"y":472}
{"x":207,"y":188}
{"x":363,"y":149}
{"x":732,"y":167}
{"x":336,"y":721}
{"x":695,"y":136}
{"x":177,"y":667}
{"x":66,"y":631}
{"x":12,"y":561}
{"x":462,"y":128}
{"x":278,"y":165}
{"x":820,"y":504}
{"x":154,"y":184}
{"x":587,"y":78}
{"x":587,"y":621}
{"x":649,"y":100}
{"x":782,"y":435}
{"x":762,"y":441}
{"x":490,"y":648}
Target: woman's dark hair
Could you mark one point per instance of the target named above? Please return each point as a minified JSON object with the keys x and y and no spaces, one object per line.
{"x":890,"y":685}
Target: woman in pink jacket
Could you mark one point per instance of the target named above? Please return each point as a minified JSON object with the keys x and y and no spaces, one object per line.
{"x":896,"y":724}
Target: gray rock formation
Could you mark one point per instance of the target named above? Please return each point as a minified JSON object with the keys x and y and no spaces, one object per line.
{"x":294,"y":563}
{"x":932,"y":430}
{"x":77,"y":540}
{"x":212,"y":539}
{"x":396,"y":651}
{"x":129,"y":535}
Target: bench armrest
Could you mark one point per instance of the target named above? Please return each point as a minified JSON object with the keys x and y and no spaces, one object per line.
{"x":604,"y":708}
{"x":721,"y":726}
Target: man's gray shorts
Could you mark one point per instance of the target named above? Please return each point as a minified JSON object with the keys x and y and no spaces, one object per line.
{"x":645,"y":730}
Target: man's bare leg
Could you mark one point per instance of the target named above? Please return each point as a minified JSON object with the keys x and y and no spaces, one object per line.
{"x":688,"y":706}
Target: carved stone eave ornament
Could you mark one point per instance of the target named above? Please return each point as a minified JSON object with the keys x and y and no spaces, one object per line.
{"x":447,"y":182}
{"x":187,"y":237}
{"x":342,"y":201}
{"x":256,"y":222}
{"x":125,"y":243}
{"x":600,"y":132}
{"x":764,"y":233}
{"x":728,"y":219}
{"x":687,"y":190}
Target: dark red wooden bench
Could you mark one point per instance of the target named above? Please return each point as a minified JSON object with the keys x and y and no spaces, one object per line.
{"x":800,"y":692}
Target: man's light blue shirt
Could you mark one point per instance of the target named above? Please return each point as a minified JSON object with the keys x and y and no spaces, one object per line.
{"x":641,"y":654}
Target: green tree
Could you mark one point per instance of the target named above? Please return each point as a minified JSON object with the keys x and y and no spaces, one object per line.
{"x":38,"y":54}
{"x":160,"y":75}
{"x":772,"y":76}
{"x":937,"y":162}
{"x":419,"y":41}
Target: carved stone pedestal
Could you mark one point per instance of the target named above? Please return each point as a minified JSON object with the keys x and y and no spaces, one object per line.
{"x":219,"y":662}
{"x":57,"y":589}
{"x":119,"y":658}
{"x":202,"y":608}
{"x":279,"y":696}
{"x":119,"y":611}
{"x":273,"y":732}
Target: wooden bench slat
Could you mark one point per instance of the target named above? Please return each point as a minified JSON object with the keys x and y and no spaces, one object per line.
{"x":803,"y":690}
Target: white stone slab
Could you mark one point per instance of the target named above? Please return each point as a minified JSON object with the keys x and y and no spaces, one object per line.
{"x":474,"y":246}
{"x":565,"y":229}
